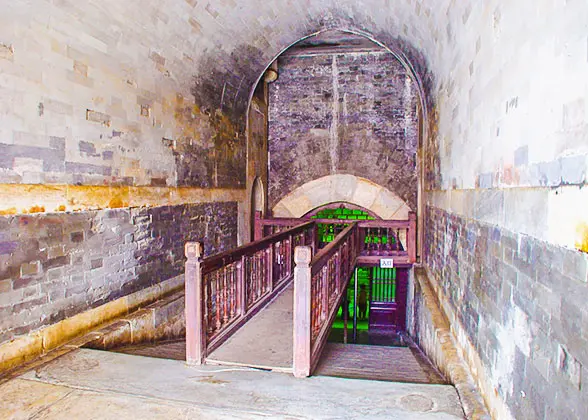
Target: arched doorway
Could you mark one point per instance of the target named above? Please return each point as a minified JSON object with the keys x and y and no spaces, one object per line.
{"x":257,"y":203}
{"x":342,"y":188}
{"x":331,"y":40}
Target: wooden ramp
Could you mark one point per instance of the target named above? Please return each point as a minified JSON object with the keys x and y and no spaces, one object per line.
{"x":395,"y":364}
{"x":263,"y":342}
{"x":266,"y":342}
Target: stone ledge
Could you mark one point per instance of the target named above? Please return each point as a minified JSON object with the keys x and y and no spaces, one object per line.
{"x":50,"y":198}
{"x":69,"y":332}
{"x":443,"y":350}
{"x":161,"y":320}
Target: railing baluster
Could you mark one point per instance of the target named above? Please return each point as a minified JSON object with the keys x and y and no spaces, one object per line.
{"x":233,"y":291}
{"x":338,"y":269}
{"x":225,"y":297}
{"x":258,"y":273}
{"x":270,"y":268}
{"x":242,"y":303}
{"x":218,"y":302}
{"x":210,"y":305}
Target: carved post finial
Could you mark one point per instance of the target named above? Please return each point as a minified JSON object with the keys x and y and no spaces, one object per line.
{"x":302,"y":255}
{"x":193,"y":250}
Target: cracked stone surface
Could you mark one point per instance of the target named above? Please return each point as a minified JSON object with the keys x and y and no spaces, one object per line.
{"x":92,"y":384}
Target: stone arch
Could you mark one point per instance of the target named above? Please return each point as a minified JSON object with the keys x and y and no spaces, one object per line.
{"x":342,"y":188}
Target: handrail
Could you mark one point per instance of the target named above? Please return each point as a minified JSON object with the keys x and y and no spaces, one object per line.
{"x":227,"y":257}
{"x":320,"y":259}
{"x":402,"y":232}
{"x":283,"y":221}
{"x":227,"y":289}
{"x":320,"y":284}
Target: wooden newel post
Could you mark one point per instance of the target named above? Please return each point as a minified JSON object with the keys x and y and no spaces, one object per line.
{"x":195,"y":328}
{"x":302,"y":307}
{"x":258,"y":228}
{"x":411,"y":239}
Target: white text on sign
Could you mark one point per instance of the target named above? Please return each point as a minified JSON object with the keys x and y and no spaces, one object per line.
{"x":386,"y":263}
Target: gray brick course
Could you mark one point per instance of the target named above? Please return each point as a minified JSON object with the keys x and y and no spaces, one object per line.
{"x":108,"y":254}
{"x":372,"y":131}
{"x":547,"y":283}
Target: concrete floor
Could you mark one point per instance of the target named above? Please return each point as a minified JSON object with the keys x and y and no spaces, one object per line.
{"x":92,"y":384}
{"x":266,"y":341}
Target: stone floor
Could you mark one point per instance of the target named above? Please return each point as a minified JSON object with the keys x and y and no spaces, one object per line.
{"x":92,"y":384}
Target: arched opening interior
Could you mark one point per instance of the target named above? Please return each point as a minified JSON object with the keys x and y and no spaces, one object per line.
{"x":334,"y":129}
{"x":343,"y":211}
{"x":257,"y":202}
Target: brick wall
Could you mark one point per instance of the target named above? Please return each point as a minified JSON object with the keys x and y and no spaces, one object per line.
{"x":56,"y":265}
{"x":352,"y":113}
{"x":521,"y":303}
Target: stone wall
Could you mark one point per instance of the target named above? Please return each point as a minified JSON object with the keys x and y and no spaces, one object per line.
{"x":56,"y":265}
{"x":510,"y":115}
{"x":520,"y":303}
{"x":92,"y":96}
{"x":101,"y":116}
{"x":506,"y":167}
{"x":353,"y":113}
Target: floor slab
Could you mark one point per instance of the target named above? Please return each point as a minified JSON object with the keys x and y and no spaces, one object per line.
{"x":266,"y":341}
{"x":92,"y":384}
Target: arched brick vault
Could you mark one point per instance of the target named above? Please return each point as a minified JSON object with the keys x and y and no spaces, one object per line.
{"x":401,"y":51}
{"x":207,"y":95}
{"x":227,"y":74}
{"x":237,"y":70}
{"x":345,"y":188}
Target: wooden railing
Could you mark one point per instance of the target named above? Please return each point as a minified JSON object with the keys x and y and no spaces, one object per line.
{"x":320,"y":284}
{"x":225,"y":290}
{"x":378,"y":238}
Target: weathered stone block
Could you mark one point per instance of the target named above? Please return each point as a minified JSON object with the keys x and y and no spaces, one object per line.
{"x":521,"y":156}
{"x":86,"y":168}
{"x":6,"y":52}
{"x":30,"y":268}
{"x":573,"y":169}
{"x":98,"y":117}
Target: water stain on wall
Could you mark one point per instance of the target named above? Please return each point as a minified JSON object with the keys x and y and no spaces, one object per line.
{"x":582,"y":241}
{"x":28,"y":199}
